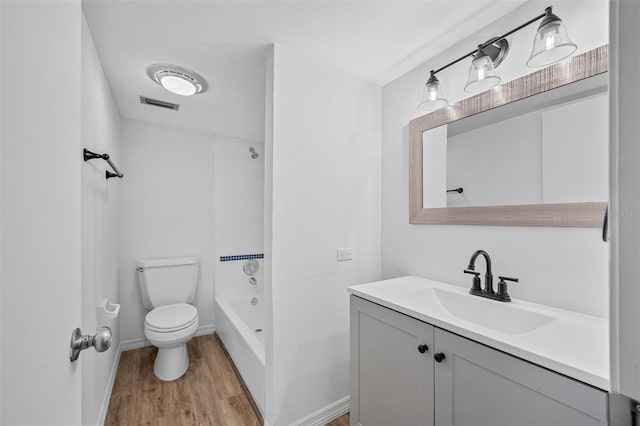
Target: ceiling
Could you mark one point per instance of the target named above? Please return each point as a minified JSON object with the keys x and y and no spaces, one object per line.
{"x":226,"y":42}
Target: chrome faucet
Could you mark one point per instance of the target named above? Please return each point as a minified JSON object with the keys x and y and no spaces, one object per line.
{"x":476,"y":288}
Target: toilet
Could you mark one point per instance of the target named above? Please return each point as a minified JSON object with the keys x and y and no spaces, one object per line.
{"x":168,"y":287}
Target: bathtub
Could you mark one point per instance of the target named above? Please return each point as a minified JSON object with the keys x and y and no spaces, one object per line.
{"x":236,"y":324}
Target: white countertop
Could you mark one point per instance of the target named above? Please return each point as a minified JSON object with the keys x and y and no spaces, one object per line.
{"x":573,"y":344}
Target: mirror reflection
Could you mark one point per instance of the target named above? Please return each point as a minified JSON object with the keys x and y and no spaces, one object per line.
{"x":545,"y":149}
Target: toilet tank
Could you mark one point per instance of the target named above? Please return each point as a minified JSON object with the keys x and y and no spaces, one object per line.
{"x":168,"y":280}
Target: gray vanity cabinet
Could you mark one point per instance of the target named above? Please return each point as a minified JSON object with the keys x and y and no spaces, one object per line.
{"x":394,"y":384}
{"x":476,"y":385}
{"x":391,"y":380}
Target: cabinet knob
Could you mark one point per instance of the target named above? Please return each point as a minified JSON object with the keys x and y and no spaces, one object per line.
{"x":423,"y":348}
{"x":439,"y":357}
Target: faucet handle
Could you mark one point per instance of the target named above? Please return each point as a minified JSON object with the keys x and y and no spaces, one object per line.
{"x":502,"y":294}
{"x":476,"y":287}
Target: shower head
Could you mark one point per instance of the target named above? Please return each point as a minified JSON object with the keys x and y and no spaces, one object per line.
{"x":253,"y":152}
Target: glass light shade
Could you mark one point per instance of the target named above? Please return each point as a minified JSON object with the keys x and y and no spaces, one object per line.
{"x":178,"y":85}
{"x":551,"y":44}
{"x":433,"y":95}
{"x":178,"y":80}
{"x":482,"y":74}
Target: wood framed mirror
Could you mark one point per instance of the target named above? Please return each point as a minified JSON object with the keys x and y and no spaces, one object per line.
{"x":571,"y":81}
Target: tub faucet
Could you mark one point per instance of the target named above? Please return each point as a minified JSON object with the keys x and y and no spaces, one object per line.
{"x":488,"y":276}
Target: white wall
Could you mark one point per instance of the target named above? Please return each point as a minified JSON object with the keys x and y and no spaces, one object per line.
{"x":575,"y":151}
{"x":1,"y":258}
{"x":41,"y":211}
{"x":100,"y":227}
{"x":558,"y":266}
{"x":269,"y":374}
{"x":496,"y":164}
{"x":434,"y":176}
{"x":325,"y":158}
{"x":239,"y":214}
{"x":167,"y":210}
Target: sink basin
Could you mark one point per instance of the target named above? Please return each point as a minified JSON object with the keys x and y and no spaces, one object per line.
{"x":499,"y":316}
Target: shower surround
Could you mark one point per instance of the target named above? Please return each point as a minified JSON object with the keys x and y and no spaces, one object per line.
{"x":239,"y":242}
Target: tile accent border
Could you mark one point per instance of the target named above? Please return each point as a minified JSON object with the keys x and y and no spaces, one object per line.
{"x":241,"y":257}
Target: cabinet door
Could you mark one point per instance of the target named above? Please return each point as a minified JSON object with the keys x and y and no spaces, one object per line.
{"x":391,"y":380}
{"x":479,"y":386}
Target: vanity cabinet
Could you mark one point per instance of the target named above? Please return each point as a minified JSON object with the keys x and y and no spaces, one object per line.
{"x":394,"y":382}
{"x":394,"y":379}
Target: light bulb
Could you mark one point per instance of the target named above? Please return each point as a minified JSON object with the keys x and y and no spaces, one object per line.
{"x":177,"y":85}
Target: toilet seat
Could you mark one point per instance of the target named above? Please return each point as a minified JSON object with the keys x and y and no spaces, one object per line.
{"x":171,"y":318}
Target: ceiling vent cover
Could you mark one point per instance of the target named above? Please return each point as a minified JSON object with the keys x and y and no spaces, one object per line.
{"x":157,"y":103}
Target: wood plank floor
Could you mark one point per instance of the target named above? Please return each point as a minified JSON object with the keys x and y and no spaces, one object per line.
{"x":340,"y":421}
{"x":209,"y":393}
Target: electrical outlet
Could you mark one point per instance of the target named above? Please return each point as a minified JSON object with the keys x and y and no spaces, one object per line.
{"x":345,"y":254}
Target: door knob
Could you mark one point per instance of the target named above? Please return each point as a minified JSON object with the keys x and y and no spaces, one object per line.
{"x":423,"y":348}
{"x":101,"y":341}
{"x":439,"y":357}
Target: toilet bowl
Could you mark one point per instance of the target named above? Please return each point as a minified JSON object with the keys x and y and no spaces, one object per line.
{"x":168,"y":287}
{"x":169,"y":328}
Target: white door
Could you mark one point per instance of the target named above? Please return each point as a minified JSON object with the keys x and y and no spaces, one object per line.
{"x":40,"y":213}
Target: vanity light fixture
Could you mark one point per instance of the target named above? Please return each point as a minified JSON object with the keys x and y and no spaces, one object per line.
{"x":482,"y":73}
{"x":551,"y":45}
{"x":433,"y":95}
{"x":178,"y":80}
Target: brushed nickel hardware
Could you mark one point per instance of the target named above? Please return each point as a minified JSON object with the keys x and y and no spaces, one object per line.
{"x":101,"y":341}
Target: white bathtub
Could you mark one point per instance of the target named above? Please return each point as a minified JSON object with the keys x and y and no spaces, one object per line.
{"x":236,"y":324}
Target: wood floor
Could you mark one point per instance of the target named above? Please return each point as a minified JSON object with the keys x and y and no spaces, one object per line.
{"x":209,"y":393}
{"x":340,"y":421}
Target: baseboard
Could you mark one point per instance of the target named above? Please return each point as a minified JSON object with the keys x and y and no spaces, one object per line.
{"x":141,"y":342}
{"x":326,"y":414}
{"x":102,"y":415}
{"x":206,"y":329}
{"x":137,"y":343}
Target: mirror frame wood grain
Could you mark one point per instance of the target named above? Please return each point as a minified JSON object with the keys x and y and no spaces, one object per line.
{"x":587,"y":215}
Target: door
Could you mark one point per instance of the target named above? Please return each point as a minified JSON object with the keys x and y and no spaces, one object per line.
{"x":391,"y":367}
{"x":479,"y":386}
{"x":624,"y":210}
{"x":41,"y":154}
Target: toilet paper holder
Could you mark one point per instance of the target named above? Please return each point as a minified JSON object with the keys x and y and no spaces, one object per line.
{"x":107,"y":310}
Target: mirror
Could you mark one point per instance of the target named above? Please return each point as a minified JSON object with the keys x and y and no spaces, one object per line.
{"x":533,"y":152}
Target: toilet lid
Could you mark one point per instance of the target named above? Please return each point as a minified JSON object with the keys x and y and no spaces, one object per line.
{"x":171,"y":317}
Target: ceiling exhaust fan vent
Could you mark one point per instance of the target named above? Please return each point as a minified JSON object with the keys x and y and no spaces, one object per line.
{"x":157,"y":103}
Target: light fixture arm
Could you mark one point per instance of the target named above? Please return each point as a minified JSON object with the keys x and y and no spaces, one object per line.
{"x":547,"y":12}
